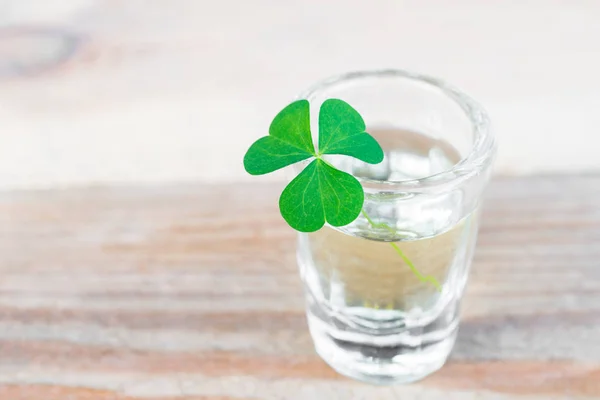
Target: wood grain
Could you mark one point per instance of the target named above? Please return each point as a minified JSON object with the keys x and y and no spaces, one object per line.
{"x":168,"y":79}
{"x":191,"y":293}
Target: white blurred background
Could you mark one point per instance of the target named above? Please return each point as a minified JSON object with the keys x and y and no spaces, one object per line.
{"x":117,"y":91}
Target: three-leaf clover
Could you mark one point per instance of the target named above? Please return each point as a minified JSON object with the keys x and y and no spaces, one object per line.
{"x":320,"y":193}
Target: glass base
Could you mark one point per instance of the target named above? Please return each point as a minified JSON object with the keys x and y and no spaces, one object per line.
{"x":383,"y":358}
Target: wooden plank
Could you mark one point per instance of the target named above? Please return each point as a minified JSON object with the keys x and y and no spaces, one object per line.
{"x":168,"y":79}
{"x":191,"y":292}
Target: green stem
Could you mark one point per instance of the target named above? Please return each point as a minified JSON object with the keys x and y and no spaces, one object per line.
{"x":423,"y":278}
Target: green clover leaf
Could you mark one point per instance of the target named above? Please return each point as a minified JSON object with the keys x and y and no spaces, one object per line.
{"x":289,"y":141}
{"x":320,"y":193}
{"x":342,"y":131}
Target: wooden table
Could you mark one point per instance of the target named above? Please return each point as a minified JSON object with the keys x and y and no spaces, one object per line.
{"x":191,"y":292}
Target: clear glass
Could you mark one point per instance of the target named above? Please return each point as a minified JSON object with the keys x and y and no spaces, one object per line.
{"x":383,"y":293}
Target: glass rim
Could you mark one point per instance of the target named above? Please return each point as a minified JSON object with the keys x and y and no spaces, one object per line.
{"x":479,"y":157}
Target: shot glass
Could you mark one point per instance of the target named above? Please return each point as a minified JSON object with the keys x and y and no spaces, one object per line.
{"x":383,"y":293}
